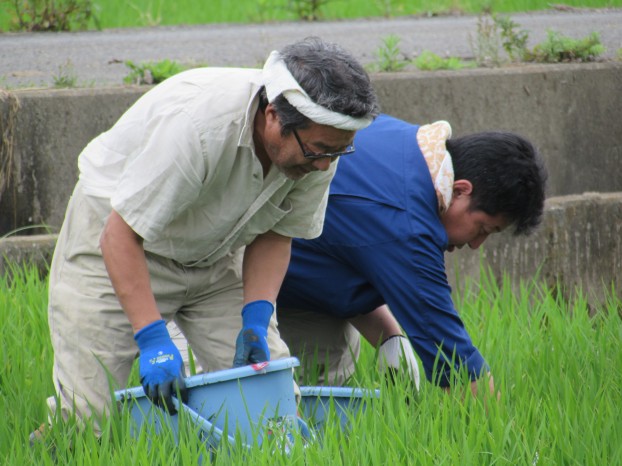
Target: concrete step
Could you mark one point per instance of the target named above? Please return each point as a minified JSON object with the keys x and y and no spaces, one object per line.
{"x":578,"y":248}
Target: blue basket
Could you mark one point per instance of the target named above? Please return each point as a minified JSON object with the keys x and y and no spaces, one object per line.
{"x":316,"y":403}
{"x":251,"y":401}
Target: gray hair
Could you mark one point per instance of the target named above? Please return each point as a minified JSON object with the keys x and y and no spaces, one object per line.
{"x":331,"y":76}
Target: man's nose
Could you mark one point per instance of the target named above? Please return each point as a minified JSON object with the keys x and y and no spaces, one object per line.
{"x":322,"y":164}
{"x":477,"y":242}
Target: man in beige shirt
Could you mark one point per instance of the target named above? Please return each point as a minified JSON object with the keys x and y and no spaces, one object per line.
{"x":206,"y":163}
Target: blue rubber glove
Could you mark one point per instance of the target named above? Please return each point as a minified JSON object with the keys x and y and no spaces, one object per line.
{"x":160,"y":365}
{"x":251,"y":345}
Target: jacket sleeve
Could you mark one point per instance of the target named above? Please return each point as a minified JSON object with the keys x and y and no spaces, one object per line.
{"x":409,"y":273}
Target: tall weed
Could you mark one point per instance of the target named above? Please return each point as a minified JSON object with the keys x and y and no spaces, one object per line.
{"x":52,"y":15}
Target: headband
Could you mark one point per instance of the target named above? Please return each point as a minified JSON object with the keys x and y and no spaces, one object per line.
{"x":278,"y":80}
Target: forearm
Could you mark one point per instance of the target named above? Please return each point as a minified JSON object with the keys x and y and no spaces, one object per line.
{"x":265,"y":264}
{"x":377,"y":326}
{"x":125,"y":261}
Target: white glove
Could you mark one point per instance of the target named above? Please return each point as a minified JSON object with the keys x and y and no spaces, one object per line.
{"x":394,"y":353}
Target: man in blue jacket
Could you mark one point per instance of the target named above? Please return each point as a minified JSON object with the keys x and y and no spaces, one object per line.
{"x":412,"y":194}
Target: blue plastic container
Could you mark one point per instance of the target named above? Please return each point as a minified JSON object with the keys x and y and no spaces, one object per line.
{"x":316,"y":403}
{"x":251,"y":400}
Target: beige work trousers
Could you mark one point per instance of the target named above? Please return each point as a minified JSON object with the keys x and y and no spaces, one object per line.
{"x":91,"y":336}
{"x":327,"y":347}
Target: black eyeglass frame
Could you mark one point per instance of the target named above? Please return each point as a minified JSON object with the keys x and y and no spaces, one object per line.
{"x":314,"y":156}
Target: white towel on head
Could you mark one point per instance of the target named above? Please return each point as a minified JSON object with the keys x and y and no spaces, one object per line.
{"x":278,"y":80}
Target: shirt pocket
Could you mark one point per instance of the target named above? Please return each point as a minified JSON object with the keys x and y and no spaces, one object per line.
{"x":263,"y":221}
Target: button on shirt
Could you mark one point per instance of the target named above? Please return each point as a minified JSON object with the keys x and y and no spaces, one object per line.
{"x":180,"y":168}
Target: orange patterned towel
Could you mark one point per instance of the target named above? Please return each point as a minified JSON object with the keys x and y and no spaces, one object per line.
{"x":431,"y":139}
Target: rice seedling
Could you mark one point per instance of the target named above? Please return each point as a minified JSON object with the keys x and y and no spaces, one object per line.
{"x":557,"y":365}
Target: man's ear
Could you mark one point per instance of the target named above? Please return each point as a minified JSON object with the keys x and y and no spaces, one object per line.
{"x":462,"y":188}
{"x":271,"y":118}
{"x":270,"y":112}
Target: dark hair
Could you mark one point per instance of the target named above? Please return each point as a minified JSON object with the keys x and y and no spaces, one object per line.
{"x":331,"y":76}
{"x":507,"y":173}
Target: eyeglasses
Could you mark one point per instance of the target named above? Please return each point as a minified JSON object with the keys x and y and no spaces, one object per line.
{"x":313,"y":155}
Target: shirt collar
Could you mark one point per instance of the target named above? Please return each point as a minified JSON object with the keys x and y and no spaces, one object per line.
{"x":246,"y":135}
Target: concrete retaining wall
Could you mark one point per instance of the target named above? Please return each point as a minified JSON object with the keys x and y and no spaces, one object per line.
{"x":571,"y":112}
{"x":50,"y":129}
{"x":578,"y":247}
{"x":28,"y":250}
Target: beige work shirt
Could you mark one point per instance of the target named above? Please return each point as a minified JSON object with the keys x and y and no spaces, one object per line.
{"x":180,"y":168}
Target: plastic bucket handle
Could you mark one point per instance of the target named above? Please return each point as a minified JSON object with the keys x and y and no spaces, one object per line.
{"x":204,"y":424}
{"x":210,"y":429}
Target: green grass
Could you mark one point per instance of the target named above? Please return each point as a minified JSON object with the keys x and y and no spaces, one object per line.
{"x":137,"y":13}
{"x":558,"y":369}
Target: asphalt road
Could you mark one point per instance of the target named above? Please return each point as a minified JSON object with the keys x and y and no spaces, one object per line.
{"x":96,"y":58}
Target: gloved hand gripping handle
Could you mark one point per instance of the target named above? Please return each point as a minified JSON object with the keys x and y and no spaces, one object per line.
{"x":160,"y":365}
{"x":251,"y":345}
